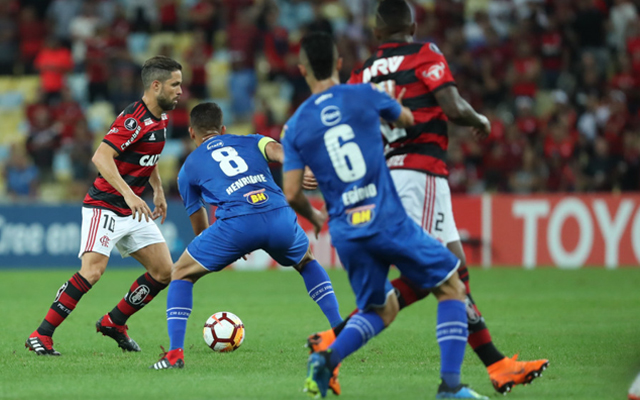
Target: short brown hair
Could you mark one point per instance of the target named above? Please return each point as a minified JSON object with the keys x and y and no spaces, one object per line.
{"x":158,"y":68}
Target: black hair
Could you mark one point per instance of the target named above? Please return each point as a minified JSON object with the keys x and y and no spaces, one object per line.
{"x":321,"y":52}
{"x":206,"y":117}
{"x":394,"y":15}
{"x":158,"y":68}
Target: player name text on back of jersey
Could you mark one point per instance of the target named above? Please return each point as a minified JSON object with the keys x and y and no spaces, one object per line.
{"x":247,"y":180}
{"x":358,"y":194}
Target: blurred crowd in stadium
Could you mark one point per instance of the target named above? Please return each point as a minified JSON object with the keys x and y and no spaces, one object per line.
{"x":559,"y":79}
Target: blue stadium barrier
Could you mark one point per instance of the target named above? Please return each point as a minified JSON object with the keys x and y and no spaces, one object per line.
{"x":41,"y":236}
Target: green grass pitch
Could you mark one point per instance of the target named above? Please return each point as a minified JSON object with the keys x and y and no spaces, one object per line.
{"x":587,"y":322}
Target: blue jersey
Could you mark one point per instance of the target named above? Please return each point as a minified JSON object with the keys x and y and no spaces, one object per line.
{"x":232,"y":173}
{"x":337,"y":134}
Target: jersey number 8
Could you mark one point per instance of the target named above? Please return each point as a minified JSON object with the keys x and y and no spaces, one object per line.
{"x":229,"y":160}
{"x":347,"y":159}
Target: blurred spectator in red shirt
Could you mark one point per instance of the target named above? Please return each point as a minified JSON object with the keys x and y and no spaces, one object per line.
{"x":265,"y":124}
{"x":526,"y":119}
{"x":205,"y":15}
{"x":68,"y":113}
{"x":53,"y":62}
{"x":197,"y":57}
{"x":42,"y":142}
{"x":457,"y":169}
{"x":558,"y":143}
{"x":98,"y":66}
{"x":38,"y":107}
{"x":633,"y":45}
{"x":31,"y":32}
{"x":524,"y":72}
{"x":554,"y":53}
{"x":168,"y":10}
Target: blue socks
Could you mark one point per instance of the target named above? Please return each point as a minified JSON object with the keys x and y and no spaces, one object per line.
{"x":359,"y":329}
{"x":451,"y":331}
{"x":179,"y":305}
{"x":320,"y":290}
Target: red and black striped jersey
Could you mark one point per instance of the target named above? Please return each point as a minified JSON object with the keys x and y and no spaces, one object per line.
{"x":422,"y":70}
{"x":138,"y":137}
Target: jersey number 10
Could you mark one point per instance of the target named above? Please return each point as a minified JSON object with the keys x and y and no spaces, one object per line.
{"x":347,"y":159}
{"x":230,"y":162}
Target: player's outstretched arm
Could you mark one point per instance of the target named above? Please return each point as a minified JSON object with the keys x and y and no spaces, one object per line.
{"x":292,"y":187}
{"x":104,"y":162}
{"x":461,"y":113}
{"x":199,"y":221}
{"x":159,"y":199}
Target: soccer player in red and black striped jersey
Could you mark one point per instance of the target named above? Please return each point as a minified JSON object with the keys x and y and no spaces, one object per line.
{"x":417,"y":159}
{"x":114,"y":215}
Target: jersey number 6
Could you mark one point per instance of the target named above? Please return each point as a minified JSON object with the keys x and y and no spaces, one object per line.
{"x":229,"y":160}
{"x":347,"y":159}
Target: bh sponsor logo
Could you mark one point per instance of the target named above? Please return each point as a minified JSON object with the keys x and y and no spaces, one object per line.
{"x":257,"y":197}
{"x":361,"y":216}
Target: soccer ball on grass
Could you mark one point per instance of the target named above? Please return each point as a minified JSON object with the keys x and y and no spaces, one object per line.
{"x":223,"y":332}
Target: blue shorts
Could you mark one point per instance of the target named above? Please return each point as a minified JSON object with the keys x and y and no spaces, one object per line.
{"x":277,"y":232}
{"x":418,"y":256}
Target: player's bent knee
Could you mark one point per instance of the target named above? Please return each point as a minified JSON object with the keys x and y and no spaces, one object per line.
{"x":186,"y":268}
{"x":451,"y":289}
{"x":93,"y":266}
{"x":308,"y":257}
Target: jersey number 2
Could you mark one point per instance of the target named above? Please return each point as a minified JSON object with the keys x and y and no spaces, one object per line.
{"x":347,"y":159}
{"x":229,"y":160}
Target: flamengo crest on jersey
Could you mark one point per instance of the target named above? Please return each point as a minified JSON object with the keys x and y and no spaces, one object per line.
{"x":138,"y":137}
{"x":421,"y":69}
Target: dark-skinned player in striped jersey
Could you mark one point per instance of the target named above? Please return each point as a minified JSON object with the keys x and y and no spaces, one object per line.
{"x":416,"y":157}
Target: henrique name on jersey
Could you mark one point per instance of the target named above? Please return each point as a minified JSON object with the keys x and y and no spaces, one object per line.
{"x":247,"y":180}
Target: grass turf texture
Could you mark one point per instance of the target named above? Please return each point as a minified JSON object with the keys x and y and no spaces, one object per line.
{"x":584,"y":321}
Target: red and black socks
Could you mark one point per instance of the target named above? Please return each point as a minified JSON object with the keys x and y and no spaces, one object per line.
{"x":143,"y":290}
{"x":66,"y":300}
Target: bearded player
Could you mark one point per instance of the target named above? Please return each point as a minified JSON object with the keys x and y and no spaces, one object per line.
{"x":114,"y":215}
{"x":417,"y":159}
